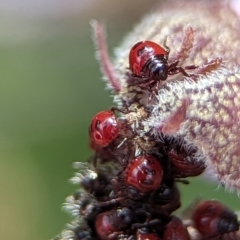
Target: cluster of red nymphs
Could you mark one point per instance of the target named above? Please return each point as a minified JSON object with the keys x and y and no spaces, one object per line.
{"x":129,"y":188}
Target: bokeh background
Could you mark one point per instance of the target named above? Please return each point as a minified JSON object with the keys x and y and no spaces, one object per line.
{"x":50,"y":87}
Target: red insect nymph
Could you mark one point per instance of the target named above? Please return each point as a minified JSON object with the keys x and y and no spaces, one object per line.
{"x":175,"y":229}
{"x":145,"y":234}
{"x":148,"y":59}
{"x":212,"y":218}
{"x":144,"y":173}
{"x":104,"y":129}
{"x":109,"y":224}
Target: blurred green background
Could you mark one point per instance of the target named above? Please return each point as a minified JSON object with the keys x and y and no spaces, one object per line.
{"x":50,"y":87}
